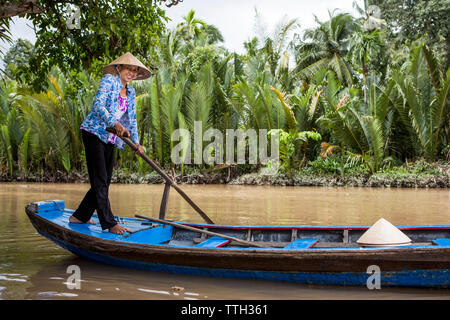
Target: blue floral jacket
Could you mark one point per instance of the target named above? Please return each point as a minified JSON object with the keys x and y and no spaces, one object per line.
{"x":104,"y":108}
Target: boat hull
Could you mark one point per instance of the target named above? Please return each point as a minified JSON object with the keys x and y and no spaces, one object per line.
{"x":414,"y":266}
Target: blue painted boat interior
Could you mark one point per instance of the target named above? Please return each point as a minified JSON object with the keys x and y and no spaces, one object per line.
{"x":301,"y":244}
{"x":145,"y":232}
{"x":213,"y":242}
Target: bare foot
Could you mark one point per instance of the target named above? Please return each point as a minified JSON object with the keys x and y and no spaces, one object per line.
{"x":75,"y":220}
{"x":117,"y":229}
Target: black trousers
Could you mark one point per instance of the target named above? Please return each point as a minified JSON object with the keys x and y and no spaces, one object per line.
{"x":100,"y":163}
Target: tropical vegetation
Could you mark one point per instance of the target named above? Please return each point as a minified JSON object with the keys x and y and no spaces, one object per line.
{"x":342,"y":98}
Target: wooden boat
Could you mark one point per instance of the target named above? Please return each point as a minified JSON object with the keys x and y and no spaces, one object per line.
{"x":302,"y":254}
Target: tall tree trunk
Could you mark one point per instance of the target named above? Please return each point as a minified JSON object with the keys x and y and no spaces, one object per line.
{"x":365,"y":72}
{"x":11,"y":9}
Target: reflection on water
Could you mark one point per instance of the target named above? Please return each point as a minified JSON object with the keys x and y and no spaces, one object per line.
{"x":31,"y":267}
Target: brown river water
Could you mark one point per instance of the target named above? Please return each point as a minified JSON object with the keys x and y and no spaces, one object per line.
{"x":32,"y":267}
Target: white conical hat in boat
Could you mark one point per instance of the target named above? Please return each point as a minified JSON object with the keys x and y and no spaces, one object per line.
{"x":383,"y":233}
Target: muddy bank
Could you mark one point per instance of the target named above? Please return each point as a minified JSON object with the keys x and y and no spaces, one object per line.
{"x":118,"y":177}
{"x":393,"y":180}
{"x":376,"y":180}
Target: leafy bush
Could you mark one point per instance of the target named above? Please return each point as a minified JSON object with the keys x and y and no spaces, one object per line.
{"x":418,"y":167}
{"x":336,"y":165}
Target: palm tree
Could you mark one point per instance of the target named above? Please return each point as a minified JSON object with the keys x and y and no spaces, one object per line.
{"x":192,"y":28}
{"x":193,"y":83}
{"x":271,"y":51}
{"x":364,"y":48}
{"x":49,"y":141}
{"x":157,"y":118}
{"x":276,"y":46}
{"x":325,"y":47}
{"x":170,"y":55}
{"x":368,"y":48}
{"x":222,"y":74}
{"x":362,"y":128}
{"x":5,"y":34}
{"x":300,"y":109}
{"x":254,"y":103}
{"x":425,"y":99}
{"x":213,"y":34}
{"x":54,"y":111}
{"x":11,"y":129}
{"x":267,"y":73}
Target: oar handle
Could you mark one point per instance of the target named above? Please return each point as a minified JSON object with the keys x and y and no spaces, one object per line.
{"x":164,"y":175}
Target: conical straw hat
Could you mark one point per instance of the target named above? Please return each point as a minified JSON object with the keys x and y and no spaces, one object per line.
{"x":129,"y":59}
{"x":383,"y":233}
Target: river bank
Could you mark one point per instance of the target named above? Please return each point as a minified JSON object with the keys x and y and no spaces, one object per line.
{"x":440,"y":178}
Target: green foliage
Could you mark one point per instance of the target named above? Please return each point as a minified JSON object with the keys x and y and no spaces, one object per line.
{"x":325,"y":47}
{"x":17,"y":58}
{"x":254,"y":104}
{"x":362,"y":127}
{"x":5,"y":34}
{"x":369,"y":51}
{"x":421,"y":166}
{"x":337,"y":165}
{"x":107,"y":29}
{"x":425,"y":100}
{"x":41,"y":130}
{"x":371,"y":105}
{"x":289,"y":145}
{"x":191,"y":29}
{"x":410,"y":20}
{"x":199,"y":57}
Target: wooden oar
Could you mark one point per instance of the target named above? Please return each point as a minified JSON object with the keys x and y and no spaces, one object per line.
{"x":165,"y":176}
{"x":182,"y":226}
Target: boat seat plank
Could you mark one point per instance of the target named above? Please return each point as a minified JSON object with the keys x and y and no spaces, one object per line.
{"x":213,"y":242}
{"x":301,"y":244}
{"x":273,"y":244}
{"x":443,"y":242}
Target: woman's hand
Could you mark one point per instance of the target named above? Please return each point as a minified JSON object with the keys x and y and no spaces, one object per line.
{"x":140,"y":149}
{"x":121,"y":131}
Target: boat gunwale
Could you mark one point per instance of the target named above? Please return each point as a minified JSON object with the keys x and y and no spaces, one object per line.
{"x":318,"y":228}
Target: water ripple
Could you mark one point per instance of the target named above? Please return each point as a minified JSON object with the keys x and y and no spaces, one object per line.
{"x":5,"y":278}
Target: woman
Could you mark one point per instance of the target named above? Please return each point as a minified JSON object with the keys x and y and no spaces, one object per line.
{"x":114,"y":106}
